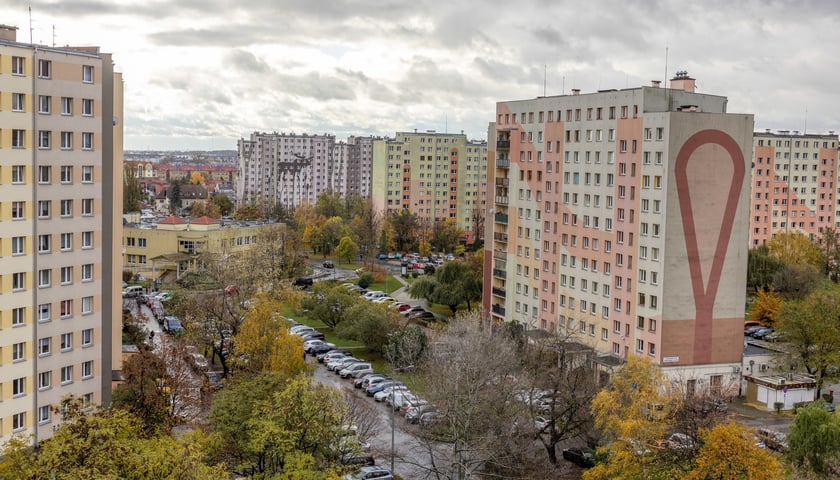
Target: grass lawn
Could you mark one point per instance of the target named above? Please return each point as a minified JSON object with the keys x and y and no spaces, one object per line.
{"x":393,"y":284}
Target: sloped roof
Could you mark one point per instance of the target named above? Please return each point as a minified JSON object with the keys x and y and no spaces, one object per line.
{"x":204,"y":220}
{"x":172,"y":220}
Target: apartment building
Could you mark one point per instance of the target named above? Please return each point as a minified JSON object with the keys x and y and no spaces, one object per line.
{"x":793,"y":181}
{"x":436,"y":176}
{"x":61,"y":205}
{"x":359,"y":165}
{"x":615,"y":221}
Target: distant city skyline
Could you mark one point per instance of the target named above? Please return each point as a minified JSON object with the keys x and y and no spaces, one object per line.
{"x":200,"y":75}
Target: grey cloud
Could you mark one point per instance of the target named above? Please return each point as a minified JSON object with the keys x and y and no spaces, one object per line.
{"x":246,"y":61}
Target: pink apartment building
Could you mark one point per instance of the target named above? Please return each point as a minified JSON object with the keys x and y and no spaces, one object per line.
{"x":620,"y":219}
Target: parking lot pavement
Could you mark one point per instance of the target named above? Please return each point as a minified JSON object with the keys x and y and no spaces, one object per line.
{"x":756,"y":418}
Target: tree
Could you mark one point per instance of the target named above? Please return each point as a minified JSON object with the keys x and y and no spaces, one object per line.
{"x":424,"y":248}
{"x":247,"y":212}
{"x":265,"y":343}
{"x":196,"y":178}
{"x":445,"y":235}
{"x":274,"y":257}
{"x":142,"y":393}
{"x":329,"y":303}
{"x":795,"y":249}
{"x":331,"y":232}
{"x":347,"y":249}
{"x":404,"y":224}
{"x":812,"y":327}
{"x":831,"y":253}
{"x":204,"y":208}
{"x":387,"y":241}
{"x":796,"y":280}
{"x":761,"y":268}
{"x":765,"y":307}
{"x":814,"y":440}
{"x":631,"y":414}
{"x":729,"y":453}
{"x":224,"y":204}
{"x":452,"y":284}
{"x":406,"y":347}
{"x":132,"y":191}
{"x":330,"y":204}
{"x":370,"y":324}
{"x":174,"y":197}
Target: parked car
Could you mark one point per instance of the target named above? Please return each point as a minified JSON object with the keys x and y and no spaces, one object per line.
{"x":383,"y":394}
{"x":321,"y":356}
{"x":408,"y":402}
{"x":582,"y":457}
{"x":385,"y":300}
{"x":374,"y":294}
{"x":334,"y":355}
{"x":372,"y":390}
{"x":215,"y":380}
{"x":429,"y":419}
{"x":364,"y":380}
{"x":133,"y":291}
{"x":343,"y":363}
{"x":382,"y":256}
{"x":356,"y":370}
{"x":413,"y":414}
{"x":302,"y":282}
{"x":321,"y":348}
{"x":750,"y":330}
{"x":199,"y":360}
{"x":541,"y":423}
{"x":172,"y":324}
{"x":370,"y":473}
{"x":776,"y":337}
{"x":299,"y":327}
{"x":313,"y":335}
{"x":773,"y":440}
{"x":423,"y":316}
{"x":762,"y":332}
{"x":311,"y":346}
{"x":328,"y":264}
{"x":231,"y":290}
{"x":374,"y":380}
{"x":414,"y":309}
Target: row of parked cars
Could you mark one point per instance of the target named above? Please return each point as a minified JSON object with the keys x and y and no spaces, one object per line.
{"x":411,"y":312}
{"x":764,"y":333}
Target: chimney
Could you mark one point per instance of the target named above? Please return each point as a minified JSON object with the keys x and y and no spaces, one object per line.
{"x":682,"y":81}
{"x":575,"y":91}
{"x":8,"y":32}
{"x":655,"y":83}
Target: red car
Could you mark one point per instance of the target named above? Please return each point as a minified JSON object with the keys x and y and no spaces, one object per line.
{"x":418,"y":266}
{"x":403,"y":307}
{"x":231,"y":290}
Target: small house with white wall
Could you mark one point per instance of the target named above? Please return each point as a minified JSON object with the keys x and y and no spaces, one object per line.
{"x":786,"y":390}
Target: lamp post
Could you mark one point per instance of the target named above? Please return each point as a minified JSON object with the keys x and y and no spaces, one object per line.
{"x":392,"y":429}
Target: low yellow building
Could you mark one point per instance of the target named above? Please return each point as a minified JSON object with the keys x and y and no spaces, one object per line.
{"x":173,"y":244}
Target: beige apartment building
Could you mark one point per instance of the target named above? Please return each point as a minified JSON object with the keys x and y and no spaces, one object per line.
{"x":60,"y":204}
{"x":793,"y":179}
{"x":618,"y":219}
{"x":436,"y":176}
{"x":172,"y":245}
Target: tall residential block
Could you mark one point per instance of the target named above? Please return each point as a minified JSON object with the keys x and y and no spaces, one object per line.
{"x":60,"y":206}
{"x":619,"y":219}
{"x":436,"y":176}
{"x":793,"y":184}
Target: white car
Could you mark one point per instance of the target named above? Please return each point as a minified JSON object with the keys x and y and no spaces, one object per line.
{"x":374,"y":294}
{"x":385,"y":299}
{"x":355,"y":370}
{"x":384,"y":394}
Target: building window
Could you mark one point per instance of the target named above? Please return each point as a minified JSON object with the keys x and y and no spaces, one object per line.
{"x":66,"y":341}
{"x":87,"y":141}
{"x":18,"y":244}
{"x":66,"y":105}
{"x":17,"y":173}
{"x":87,"y":305}
{"x":87,"y":174}
{"x":18,"y":281}
{"x":18,"y":138}
{"x":44,"y":139}
{"x":87,"y":272}
{"x":44,"y":208}
{"x":87,"y":206}
{"x":18,"y":351}
{"x":19,"y":422}
{"x":66,"y":374}
{"x":44,"y":277}
{"x":44,"y":380}
{"x":66,"y":308}
{"x":44,"y":102}
{"x":18,"y":102}
{"x":66,"y":242}
{"x":17,"y":65}
{"x":66,"y":140}
{"x":66,"y":275}
{"x":44,"y":243}
{"x":87,"y":107}
{"x":87,"y":73}
{"x":87,"y":239}
{"x":67,"y":208}
{"x":44,"y":67}
{"x":44,"y":174}
{"x":87,"y":337}
{"x":67,"y":173}
{"x":44,"y":312}
{"x":44,"y":346}
{"x":18,"y":315}
{"x":44,"y":414}
{"x":87,"y":369}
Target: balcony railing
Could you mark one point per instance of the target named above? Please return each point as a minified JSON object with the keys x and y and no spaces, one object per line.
{"x":502,"y":163}
{"x":500,"y":237}
{"x":502,"y":200}
{"x":500,"y":255}
{"x":498,"y":309}
{"x":499,"y":273}
{"x":499,"y":291}
{"x":503,"y":144}
{"x":502,"y":218}
{"x":502,"y":182}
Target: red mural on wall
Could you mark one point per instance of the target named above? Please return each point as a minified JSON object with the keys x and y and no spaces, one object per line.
{"x":705,"y":291}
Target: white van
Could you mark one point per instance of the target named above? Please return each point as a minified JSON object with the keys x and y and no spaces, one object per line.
{"x":375,"y":294}
{"x":133,"y":291}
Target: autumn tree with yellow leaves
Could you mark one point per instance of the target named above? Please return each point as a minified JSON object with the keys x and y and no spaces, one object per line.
{"x":729,"y":452}
{"x":264,"y":343}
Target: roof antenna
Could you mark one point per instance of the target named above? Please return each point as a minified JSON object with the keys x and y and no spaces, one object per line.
{"x":666,"y":65}
{"x":805,"y":131}
{"x":30,"y":23}
{"x":545,"y":76}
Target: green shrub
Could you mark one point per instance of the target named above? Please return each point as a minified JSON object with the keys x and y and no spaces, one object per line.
{"x":366,"y":279}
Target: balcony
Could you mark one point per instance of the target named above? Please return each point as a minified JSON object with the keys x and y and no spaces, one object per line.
{"x":500,"y":255}
{"x":500,"y":237}
{"x":499,"y":273}
{"x":498,"y":309}
{"x":502,"y":182}
{"x":502,"y":218}
{"x":502,"y":201}
{"x":499,"y":292}
{"x":502,"y":163}
{"x":502,"y":144}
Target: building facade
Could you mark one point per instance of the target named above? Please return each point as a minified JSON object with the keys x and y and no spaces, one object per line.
{"x":436,"y":176}
{"x":615,"y":221}
{"x":61,"y":201}
{"x":359,"y":165}
{"x":793,"y":180}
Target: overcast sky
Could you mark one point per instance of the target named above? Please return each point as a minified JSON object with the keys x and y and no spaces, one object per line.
{"x":199,"y":74}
